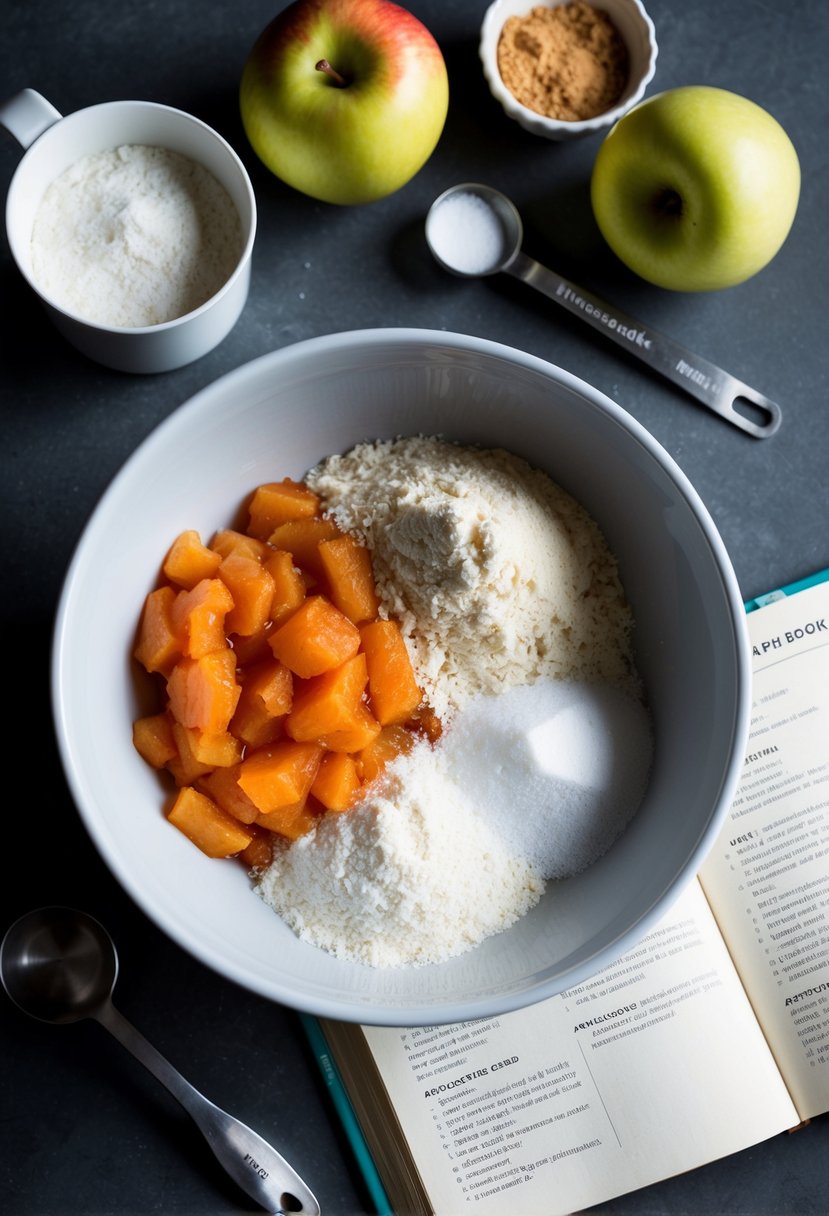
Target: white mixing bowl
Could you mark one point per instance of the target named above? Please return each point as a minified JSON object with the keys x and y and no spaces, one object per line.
{"x":276,"y":417}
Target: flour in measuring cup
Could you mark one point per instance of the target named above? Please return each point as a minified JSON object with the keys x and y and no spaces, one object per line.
{"x":134,"y":236}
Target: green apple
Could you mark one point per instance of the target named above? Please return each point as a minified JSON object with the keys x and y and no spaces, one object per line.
{"x":344,"y":100}
{"x":696,"y":188}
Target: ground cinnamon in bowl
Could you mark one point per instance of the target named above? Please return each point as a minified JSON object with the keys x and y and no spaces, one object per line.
{"x":567,"y":62}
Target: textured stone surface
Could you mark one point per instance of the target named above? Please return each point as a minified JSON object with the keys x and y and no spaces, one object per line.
{"x":87,"y":1132}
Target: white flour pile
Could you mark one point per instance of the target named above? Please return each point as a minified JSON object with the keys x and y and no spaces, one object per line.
{"x":519,"y":629}
{"x":134,"y":236}
{"x":411,"y":875}
{"x":495,"y":573}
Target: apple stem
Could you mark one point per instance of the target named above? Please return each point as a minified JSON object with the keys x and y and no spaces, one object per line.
{"x":324,"y":66}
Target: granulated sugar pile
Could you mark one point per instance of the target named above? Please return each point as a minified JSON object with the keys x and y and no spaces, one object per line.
{"x":555,"y":768}
{"x":520,"y":633}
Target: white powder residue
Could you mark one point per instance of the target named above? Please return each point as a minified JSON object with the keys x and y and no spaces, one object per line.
{"x":409,"y":876}
{"x":134,"y":236}
{"x":556,"y":769}
{"x":497,"y":575}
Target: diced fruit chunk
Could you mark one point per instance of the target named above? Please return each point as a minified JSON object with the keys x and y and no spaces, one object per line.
{"x":277,"y":502}
{"x":273,"y":684}
{"x":251,"y":588}
{"x":393,"y":690}
{"x":189,"y":560}
{"x":158,"y":646}
{"x":328,"y":702}
{"x":216,"y":751}
{"x":220,"y":751}
{"x":259,"y":853}
{"x":214,"y":831}
{"x":267,"y":695}
{"x":353,"y":738}
{"x":252,"y":648}
{"x":153,"y":739}
{"x":315,"y":638}
{"x":337,"y":783}
{"x":203,"y":692}
{"x":279,"y":776}
{"x":228,"y":540}
{"x":223,"y":787}
{"x":186,"y":770}
{"x":349,"y":577}
{"x":288,"y":584}
{"x":198,"y":617}
{"x":301,"y":537}
{"x":290,"y":821}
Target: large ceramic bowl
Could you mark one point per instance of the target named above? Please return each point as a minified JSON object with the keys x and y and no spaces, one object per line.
{"x":276,"y":417}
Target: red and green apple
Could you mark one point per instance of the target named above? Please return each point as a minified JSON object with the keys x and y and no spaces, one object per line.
{"x":345,"y":100}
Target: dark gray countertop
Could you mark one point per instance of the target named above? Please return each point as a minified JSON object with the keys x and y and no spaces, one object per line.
{"x":86,"y":1131}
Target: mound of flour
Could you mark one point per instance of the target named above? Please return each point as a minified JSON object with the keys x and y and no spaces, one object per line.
{"x":411,"y":875}
{"x":497,"y":575}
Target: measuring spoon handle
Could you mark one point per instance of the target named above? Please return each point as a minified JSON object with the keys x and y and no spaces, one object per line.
{"x":260,"y":1171}
{"x":709,"y":384}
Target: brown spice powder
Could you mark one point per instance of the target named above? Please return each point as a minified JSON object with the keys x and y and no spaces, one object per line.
{"x":568,"y":62}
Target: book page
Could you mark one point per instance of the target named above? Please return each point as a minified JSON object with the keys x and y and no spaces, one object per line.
{"x":767,"y":877}
{"x":651,"y":1068}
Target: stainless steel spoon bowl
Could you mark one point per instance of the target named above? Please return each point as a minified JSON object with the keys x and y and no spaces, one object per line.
{"x":474,"y":230}
{"x":60,"y":965}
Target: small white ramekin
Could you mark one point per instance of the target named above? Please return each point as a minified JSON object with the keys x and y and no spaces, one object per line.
{"x":633,"y":24}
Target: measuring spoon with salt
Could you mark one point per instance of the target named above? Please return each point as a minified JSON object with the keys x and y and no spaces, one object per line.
{"x":474,"y":230}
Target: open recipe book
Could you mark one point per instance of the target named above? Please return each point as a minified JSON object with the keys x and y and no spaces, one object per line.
{"x":710,"y":1036}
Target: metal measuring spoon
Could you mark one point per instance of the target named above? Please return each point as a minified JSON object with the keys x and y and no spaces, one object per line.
{"x":59,"y":965}
{"x":488,"y":217}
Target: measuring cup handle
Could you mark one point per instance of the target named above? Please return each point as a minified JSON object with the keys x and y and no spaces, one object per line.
{"x":700,"y":378}
{"x":251,"y":1162}
{"x":27,"y":115}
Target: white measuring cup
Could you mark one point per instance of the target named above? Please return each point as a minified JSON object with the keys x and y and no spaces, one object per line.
{"x":53,"y":143}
